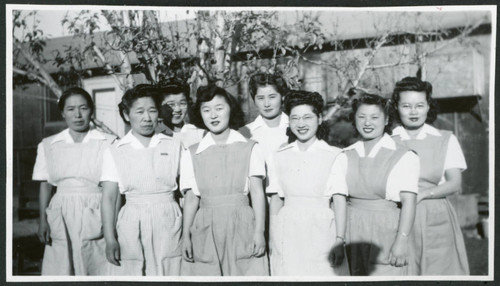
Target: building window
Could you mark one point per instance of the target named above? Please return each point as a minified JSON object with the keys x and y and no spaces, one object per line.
{"x":51,"y":111}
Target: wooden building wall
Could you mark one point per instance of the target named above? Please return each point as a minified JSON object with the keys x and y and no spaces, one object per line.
{"x":30,"y":126}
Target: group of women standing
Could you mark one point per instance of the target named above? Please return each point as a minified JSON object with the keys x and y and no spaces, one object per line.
{"x":268,"y":198}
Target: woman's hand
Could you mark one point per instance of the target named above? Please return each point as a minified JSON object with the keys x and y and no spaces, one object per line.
{"x":44,"y":232}
{"x":452,"y":185}
{"x":191,"y":203}
{"x":187,"y":250}
{"x":110,"y":206}
{"x":259,"y":244}
{"x":259,"y":209}
{"x":337,"y":253}
{"x":43,"y":228}
{"x":272,"y":219}
{"x":113,"y":252}
{"x":423,"y":194}
{"x":398,"y":256}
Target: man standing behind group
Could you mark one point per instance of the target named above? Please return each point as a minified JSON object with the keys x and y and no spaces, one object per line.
{"x":269,"y":128}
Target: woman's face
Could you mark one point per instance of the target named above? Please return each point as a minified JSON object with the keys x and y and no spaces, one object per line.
{"x":268,"y":101}
{"x":304,"y":122}
{"x":77,"y":113}
{"x":413,"y":108}
{"x":216,"y":114}
{"x":370,"y":121}
{"x":179,"y":106}
{"x":143,"y":116}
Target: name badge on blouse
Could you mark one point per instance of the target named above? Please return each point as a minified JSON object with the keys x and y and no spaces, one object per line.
{"x":164,"y":154}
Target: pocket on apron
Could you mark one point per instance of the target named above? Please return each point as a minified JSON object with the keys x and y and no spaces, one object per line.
{"x":384,"y":236}
{"x":243,"y":242}
{"x":203,"y":244}
{"x":91,"y":224}
{"x":56,"y":224}
{"x":171,"y":238}
{"x":321,"y":238}
{"x":129,"y":241}
{"x":438,"y":228}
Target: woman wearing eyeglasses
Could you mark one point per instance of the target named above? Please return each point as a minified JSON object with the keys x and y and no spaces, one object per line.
{"x":437,"y":246}
{"x":307,"y":236}
{"x":175,"y":108}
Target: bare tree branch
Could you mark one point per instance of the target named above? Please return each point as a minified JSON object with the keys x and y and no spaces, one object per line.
{"x":317,"y":62}
{"x":43,"y":73}
{"x":103,"y":127}
{"x":462,"y":35}
{"x":30,"y":74}
{"x":108,"y":67}
{"x":363,"y":67}
{"x":47,"y":80}
{"x":390,"y":65}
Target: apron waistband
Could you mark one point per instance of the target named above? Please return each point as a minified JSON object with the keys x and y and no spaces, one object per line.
{"x":69,"y":189}
{"x":147,"y":198}
{"x":379,"y":204}
{"x":307,"y":201}
{"x":224,"y":200}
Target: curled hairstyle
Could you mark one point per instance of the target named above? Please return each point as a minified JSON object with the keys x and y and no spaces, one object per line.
{"x":206,"y":94}
{"x":173,"y":86}
{"x":133,"y":94}
{"x":300,"y":97}
{"x":363,"y":97}
{"x":264,"y":79}
{"x":414,"y":84}
{"x":75,"y":91}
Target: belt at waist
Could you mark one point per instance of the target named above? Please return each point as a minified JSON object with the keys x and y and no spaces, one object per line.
{"x":307,"y":201}
{"x":373,"y":204}
{"x":143,"y":198}
{"x":224,"y":200}
{"x":68,"y":189}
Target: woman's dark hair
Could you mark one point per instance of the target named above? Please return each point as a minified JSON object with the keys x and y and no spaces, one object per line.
{"x":414,"y":84}
{"x":300,"y":97}
{"x":206,"y":94}
{"x":75,"y":91}
{"x":173,"y":86}
{"x":131,"y":95}
{"x":264,"y":79}
{"x":363,"y":97}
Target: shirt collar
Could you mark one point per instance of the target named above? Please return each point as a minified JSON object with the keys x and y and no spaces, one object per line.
{"x":316,"y":145}
{"x":130,"y":138}
{"x":259,"y":122}
{"x":187,"y":128}
{"x":208,"y":140}
{"x":426,"y":129}
{"x":162,"y":128}
{"x":385,"y":142}
{"x":66,"y":137}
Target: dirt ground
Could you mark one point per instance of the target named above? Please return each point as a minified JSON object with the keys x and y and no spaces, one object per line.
{"x":28,"y":251}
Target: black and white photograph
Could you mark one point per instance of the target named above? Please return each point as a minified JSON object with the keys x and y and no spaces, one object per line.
{"x":156,"y":143}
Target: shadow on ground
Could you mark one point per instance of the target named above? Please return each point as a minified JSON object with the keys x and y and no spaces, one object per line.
{"x":28,"y":253}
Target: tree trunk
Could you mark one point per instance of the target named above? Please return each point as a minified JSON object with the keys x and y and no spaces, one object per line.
{"x":220,"y":51}
{"x":49,"y":81}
